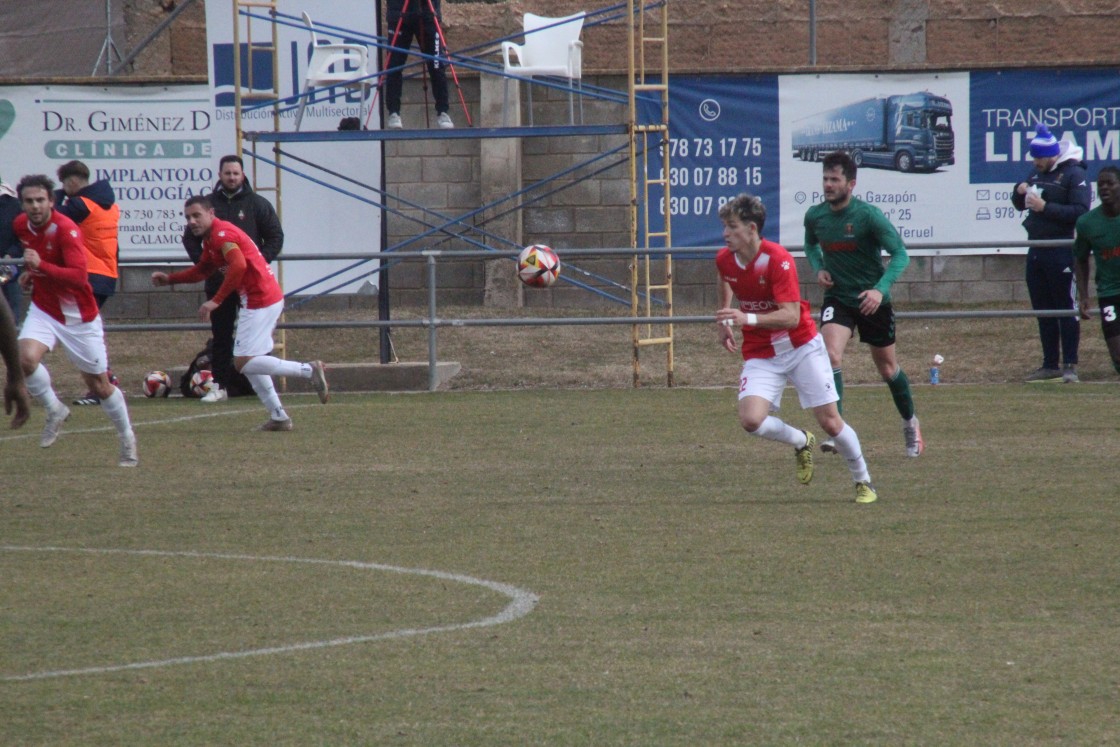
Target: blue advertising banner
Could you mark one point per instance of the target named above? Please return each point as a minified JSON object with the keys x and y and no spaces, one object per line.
{"x":1082,"y":106}
{"x":938,"y":152}
{"x":723,"y":141}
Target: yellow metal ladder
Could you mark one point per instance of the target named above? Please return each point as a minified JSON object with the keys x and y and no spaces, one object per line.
{"x":651,"y":276}
{"x":245,"y":92}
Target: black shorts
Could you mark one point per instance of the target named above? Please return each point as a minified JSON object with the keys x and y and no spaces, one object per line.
{"x":1110,"y":316}
{"x":876,"y":330}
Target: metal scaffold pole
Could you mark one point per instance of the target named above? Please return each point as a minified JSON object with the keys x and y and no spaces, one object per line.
{"x":246,"y":90}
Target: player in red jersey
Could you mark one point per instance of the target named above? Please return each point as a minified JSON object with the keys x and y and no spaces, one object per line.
{"x":63,"y":310}
{"x":780,"y":343}
{"x":226,"y":248}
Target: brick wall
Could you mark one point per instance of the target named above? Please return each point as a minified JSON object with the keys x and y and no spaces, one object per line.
{"x":707,"y":36}
{"x":753,"y":35}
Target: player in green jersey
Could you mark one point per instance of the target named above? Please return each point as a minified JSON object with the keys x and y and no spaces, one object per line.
{"x":844,"y":241}
{"x":1098,"y":236}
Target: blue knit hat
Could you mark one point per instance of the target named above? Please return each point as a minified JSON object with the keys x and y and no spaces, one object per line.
{"x":1044,"y":145}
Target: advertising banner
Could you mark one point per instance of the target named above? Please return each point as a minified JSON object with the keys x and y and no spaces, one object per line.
{"x":319,"y":213}
{"x":151,"y":142}
{"x":938,"y":152}
{"x":723,"y":140}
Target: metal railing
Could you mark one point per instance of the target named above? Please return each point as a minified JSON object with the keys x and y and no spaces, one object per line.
{"x":433,"y":322}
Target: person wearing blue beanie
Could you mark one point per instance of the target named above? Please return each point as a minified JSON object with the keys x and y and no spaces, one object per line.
{"x":1054,"y":195}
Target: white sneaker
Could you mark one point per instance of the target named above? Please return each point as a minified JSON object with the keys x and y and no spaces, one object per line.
{"x":912,"y":434}
{"x":444,"y":121}
{"x":394,"y":121}
{"x":53,"y":425}
{"x":216,"y":394}
{"x":828,"y":446}
{"x":319,"y":381}
{"x":129,"y":457}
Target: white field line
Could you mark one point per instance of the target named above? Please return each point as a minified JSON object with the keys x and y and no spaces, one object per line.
{"x":521,"y":603}
{"x":30,"y":432}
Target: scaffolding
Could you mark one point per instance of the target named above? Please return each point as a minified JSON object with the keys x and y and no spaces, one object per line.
{"x":244,"y":92}
{"x":650,"y":292}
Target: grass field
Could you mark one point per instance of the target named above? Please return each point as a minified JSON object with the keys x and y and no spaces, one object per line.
{"x":370,"y":578}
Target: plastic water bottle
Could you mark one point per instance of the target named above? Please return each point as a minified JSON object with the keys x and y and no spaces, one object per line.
{"x":935,"y":370}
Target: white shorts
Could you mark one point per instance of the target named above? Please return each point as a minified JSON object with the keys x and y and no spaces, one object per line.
{"x":806,"y":367}
{"x":84,"y":343}
{"x":254,"y":330}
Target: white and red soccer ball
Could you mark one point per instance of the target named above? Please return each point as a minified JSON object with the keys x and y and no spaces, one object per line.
{"x":538,"y":266}
{"x":201,"y":382}
{"x":157,"y":384}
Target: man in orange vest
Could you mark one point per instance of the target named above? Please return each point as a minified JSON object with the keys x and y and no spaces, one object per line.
{"x":94,"y":208}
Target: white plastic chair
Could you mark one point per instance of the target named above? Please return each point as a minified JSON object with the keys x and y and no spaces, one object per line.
{"x":554,"y":50}
{"x":329,"y":67}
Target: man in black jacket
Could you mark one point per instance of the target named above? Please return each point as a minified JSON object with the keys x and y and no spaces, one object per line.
{"x":1054,"y":196}
{"x":235,"y":201}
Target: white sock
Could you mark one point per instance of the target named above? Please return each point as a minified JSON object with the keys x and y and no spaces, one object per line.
{"x":776,"y":429}
{"x":39,"y":386}
{"x":847,"y":443}
{"x":270,"y":365}
{"x":266,"y":393}
{"x":116,"y":408}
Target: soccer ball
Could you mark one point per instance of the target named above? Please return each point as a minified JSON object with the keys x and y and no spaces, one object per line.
{"x":157,"y":384}
{"x":538,"y":266}
{"x":201,"y":382}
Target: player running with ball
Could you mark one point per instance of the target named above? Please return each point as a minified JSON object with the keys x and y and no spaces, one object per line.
{"x":780,"y":343}
{"x":226,"y":248}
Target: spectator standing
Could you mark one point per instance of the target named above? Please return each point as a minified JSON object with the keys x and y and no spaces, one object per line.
{"x":844,"y":241}
{"x":234,"y":200}
{"x":406,"y":20}
{"x":780,"y":343}
{"x":1098,"y":236}
{"x":1054,"y":195}
{"x":94,"y":208}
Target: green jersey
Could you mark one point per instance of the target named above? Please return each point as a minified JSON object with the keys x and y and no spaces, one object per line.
{"x":1099,"y":235}
{"x":848,"y":244}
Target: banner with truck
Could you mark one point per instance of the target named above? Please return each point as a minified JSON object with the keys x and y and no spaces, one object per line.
{"x":938,"y":152}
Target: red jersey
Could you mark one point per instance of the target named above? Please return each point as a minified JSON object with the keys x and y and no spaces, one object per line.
{"x":770,"y":279}
{"x":61,"y":287}
{"x":258,"y":287}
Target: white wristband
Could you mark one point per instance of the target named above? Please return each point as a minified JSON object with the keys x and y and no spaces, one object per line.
{"x":752,"y":320}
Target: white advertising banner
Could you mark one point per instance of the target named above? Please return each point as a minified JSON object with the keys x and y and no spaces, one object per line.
{"x":326,"y":188}
{"x":849,"y":111}
{"x":151,"y":142}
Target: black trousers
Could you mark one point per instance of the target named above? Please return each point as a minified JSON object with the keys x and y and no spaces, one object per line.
{"x":417,"y":23}
{"x":223,"y":322}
